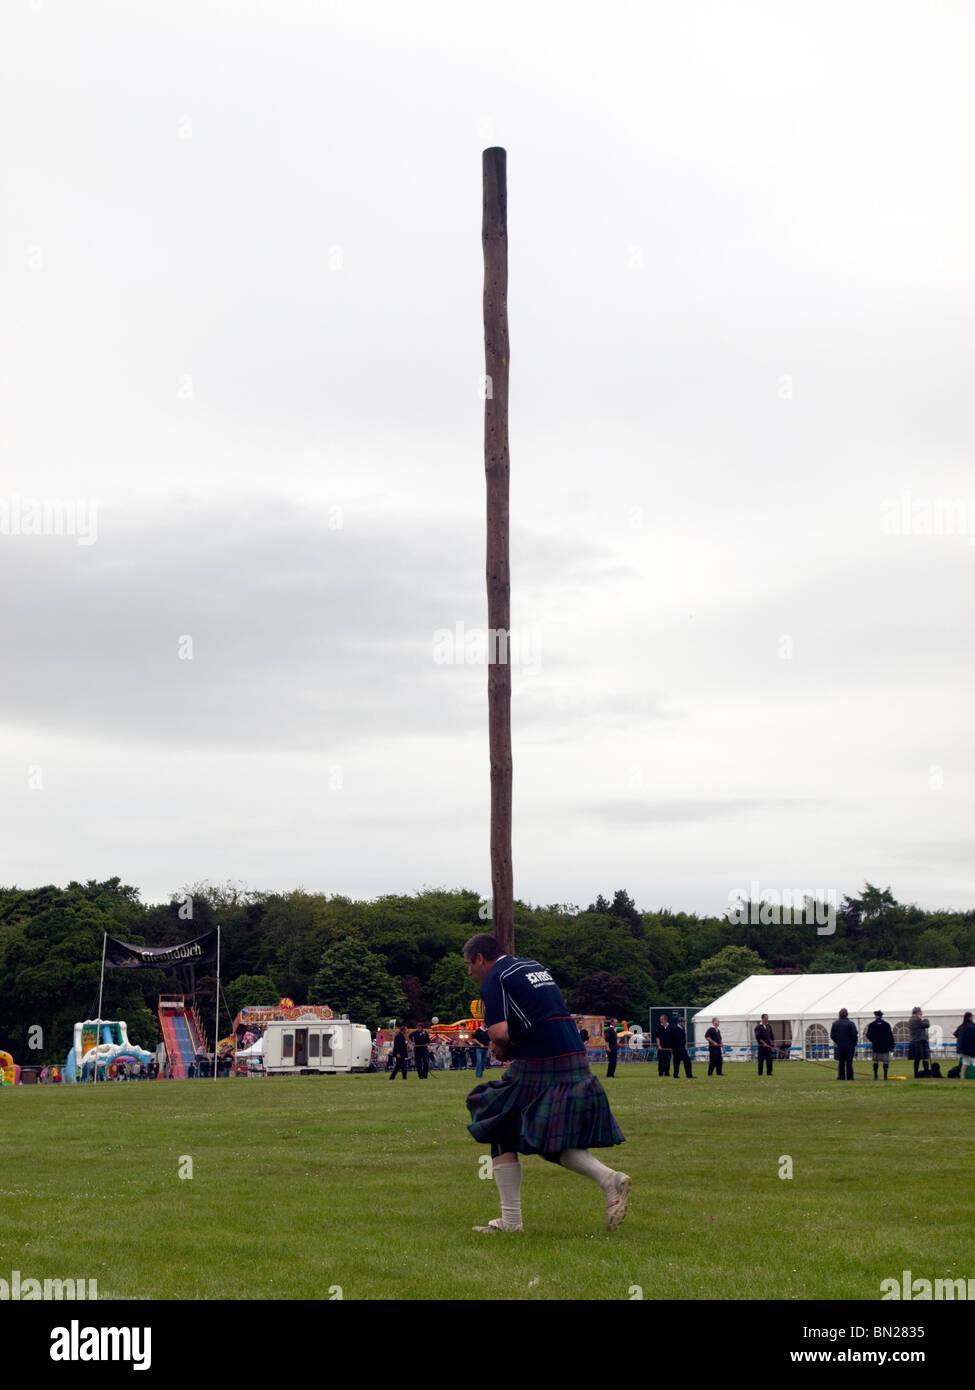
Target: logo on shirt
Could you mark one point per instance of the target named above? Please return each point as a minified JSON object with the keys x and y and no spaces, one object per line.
{"x":539,"y":977}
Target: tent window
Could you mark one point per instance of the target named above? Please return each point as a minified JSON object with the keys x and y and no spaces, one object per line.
{"x":817,"y":1040}
{"x":288,"y":1045}
{"x":902,"y":1033}
{"x":313,"y":1044}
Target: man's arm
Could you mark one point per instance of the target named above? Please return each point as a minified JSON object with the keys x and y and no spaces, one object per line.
{"x":500,"y":1042}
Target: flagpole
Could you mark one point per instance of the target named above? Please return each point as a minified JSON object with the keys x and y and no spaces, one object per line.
{"x":98,"y":1024}
{"x":216,"y":1020}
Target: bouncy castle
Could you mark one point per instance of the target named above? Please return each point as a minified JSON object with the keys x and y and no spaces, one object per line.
{"x":88,"y":1052}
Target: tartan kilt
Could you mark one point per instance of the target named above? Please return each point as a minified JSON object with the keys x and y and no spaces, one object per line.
{"x":918,"y":1051}
{"x":554,"y":1103}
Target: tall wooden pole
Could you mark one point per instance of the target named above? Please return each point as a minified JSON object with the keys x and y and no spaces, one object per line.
{"x":494,"y":238}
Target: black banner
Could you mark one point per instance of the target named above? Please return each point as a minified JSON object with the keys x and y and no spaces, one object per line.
{"x":146,"y":1336}
{"x":200,"y":951}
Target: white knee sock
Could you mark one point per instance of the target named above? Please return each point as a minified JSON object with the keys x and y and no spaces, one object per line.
{"x":582,"y":1161}
{"x":508,"y":1178}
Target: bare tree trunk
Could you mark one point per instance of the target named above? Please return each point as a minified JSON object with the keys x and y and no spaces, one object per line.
{"x":494,"y":238}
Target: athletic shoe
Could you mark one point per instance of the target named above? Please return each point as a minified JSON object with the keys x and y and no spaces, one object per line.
{"x":617,"y":1196}
{"x":496,"y":1225}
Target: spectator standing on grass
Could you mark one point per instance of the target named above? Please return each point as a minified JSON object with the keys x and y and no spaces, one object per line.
{"x":662,"y":1039}
{"x":548,"y":1102}
{"x":880,"y":1036}
{"x":612,"y":1047}
{"x":918,"y":1050}
{"x":965,"y":1038}
{"x":420,"y":1039}
{"x":766,"y":1042}
{"x":401,"y":1052}
{"x":678,"y":1047}
{"x":845,"y":1036}
{"x":480,"y":1040}
{"x":715,"y":1047}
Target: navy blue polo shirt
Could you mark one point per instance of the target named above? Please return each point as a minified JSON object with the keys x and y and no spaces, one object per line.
{"x":523,"y":994}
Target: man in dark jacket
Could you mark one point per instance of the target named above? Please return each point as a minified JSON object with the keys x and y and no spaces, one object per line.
{"x":612,"y":1047}
{"x":678,"y":1048}
{"x":715,"y":1047}
{"x":965,"y":1037}
{"x":880,"y":1036}
{"x":662,"y":1039}
{"x":844,"y":1035}
{"x":420,"y":1039}
{"x":918,"y":1049}
{"x":401,"y":1052}
{"x":766,"y":1041}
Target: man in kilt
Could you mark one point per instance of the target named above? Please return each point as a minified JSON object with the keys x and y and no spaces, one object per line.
{"x":880,"y":1036}
{"x":547,"y":1102}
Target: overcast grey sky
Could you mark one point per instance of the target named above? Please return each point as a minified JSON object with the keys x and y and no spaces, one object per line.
{"x":242,"y":358}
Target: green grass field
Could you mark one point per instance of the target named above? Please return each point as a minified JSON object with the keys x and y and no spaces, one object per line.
{"x":300,"y":1185}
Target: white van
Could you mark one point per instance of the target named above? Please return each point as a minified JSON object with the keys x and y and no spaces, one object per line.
{"x":304,"y":1045}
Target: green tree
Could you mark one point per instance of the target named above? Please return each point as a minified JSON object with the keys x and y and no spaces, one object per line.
{"x":832,"y":960}
{"x":417,"y":1005}
{"x":677,"y":989}
{"x":353,"y":980}
{"x":720,"y":973}
{"x":601,"y":993}
{"x":250,"y":989}
{"x":450,"y":989}
{"x":297,"y":928}
{"x":876,"y":902}
{"x":935,"y":947}
{"x":49,"y":969}
{"x":624,"y":910}
{"x":664,"y":949}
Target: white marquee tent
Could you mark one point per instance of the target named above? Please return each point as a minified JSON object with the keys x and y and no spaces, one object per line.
{"x":802,"y":1007}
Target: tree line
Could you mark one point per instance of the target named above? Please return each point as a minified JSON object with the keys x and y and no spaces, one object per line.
{"x":398,"y":955}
